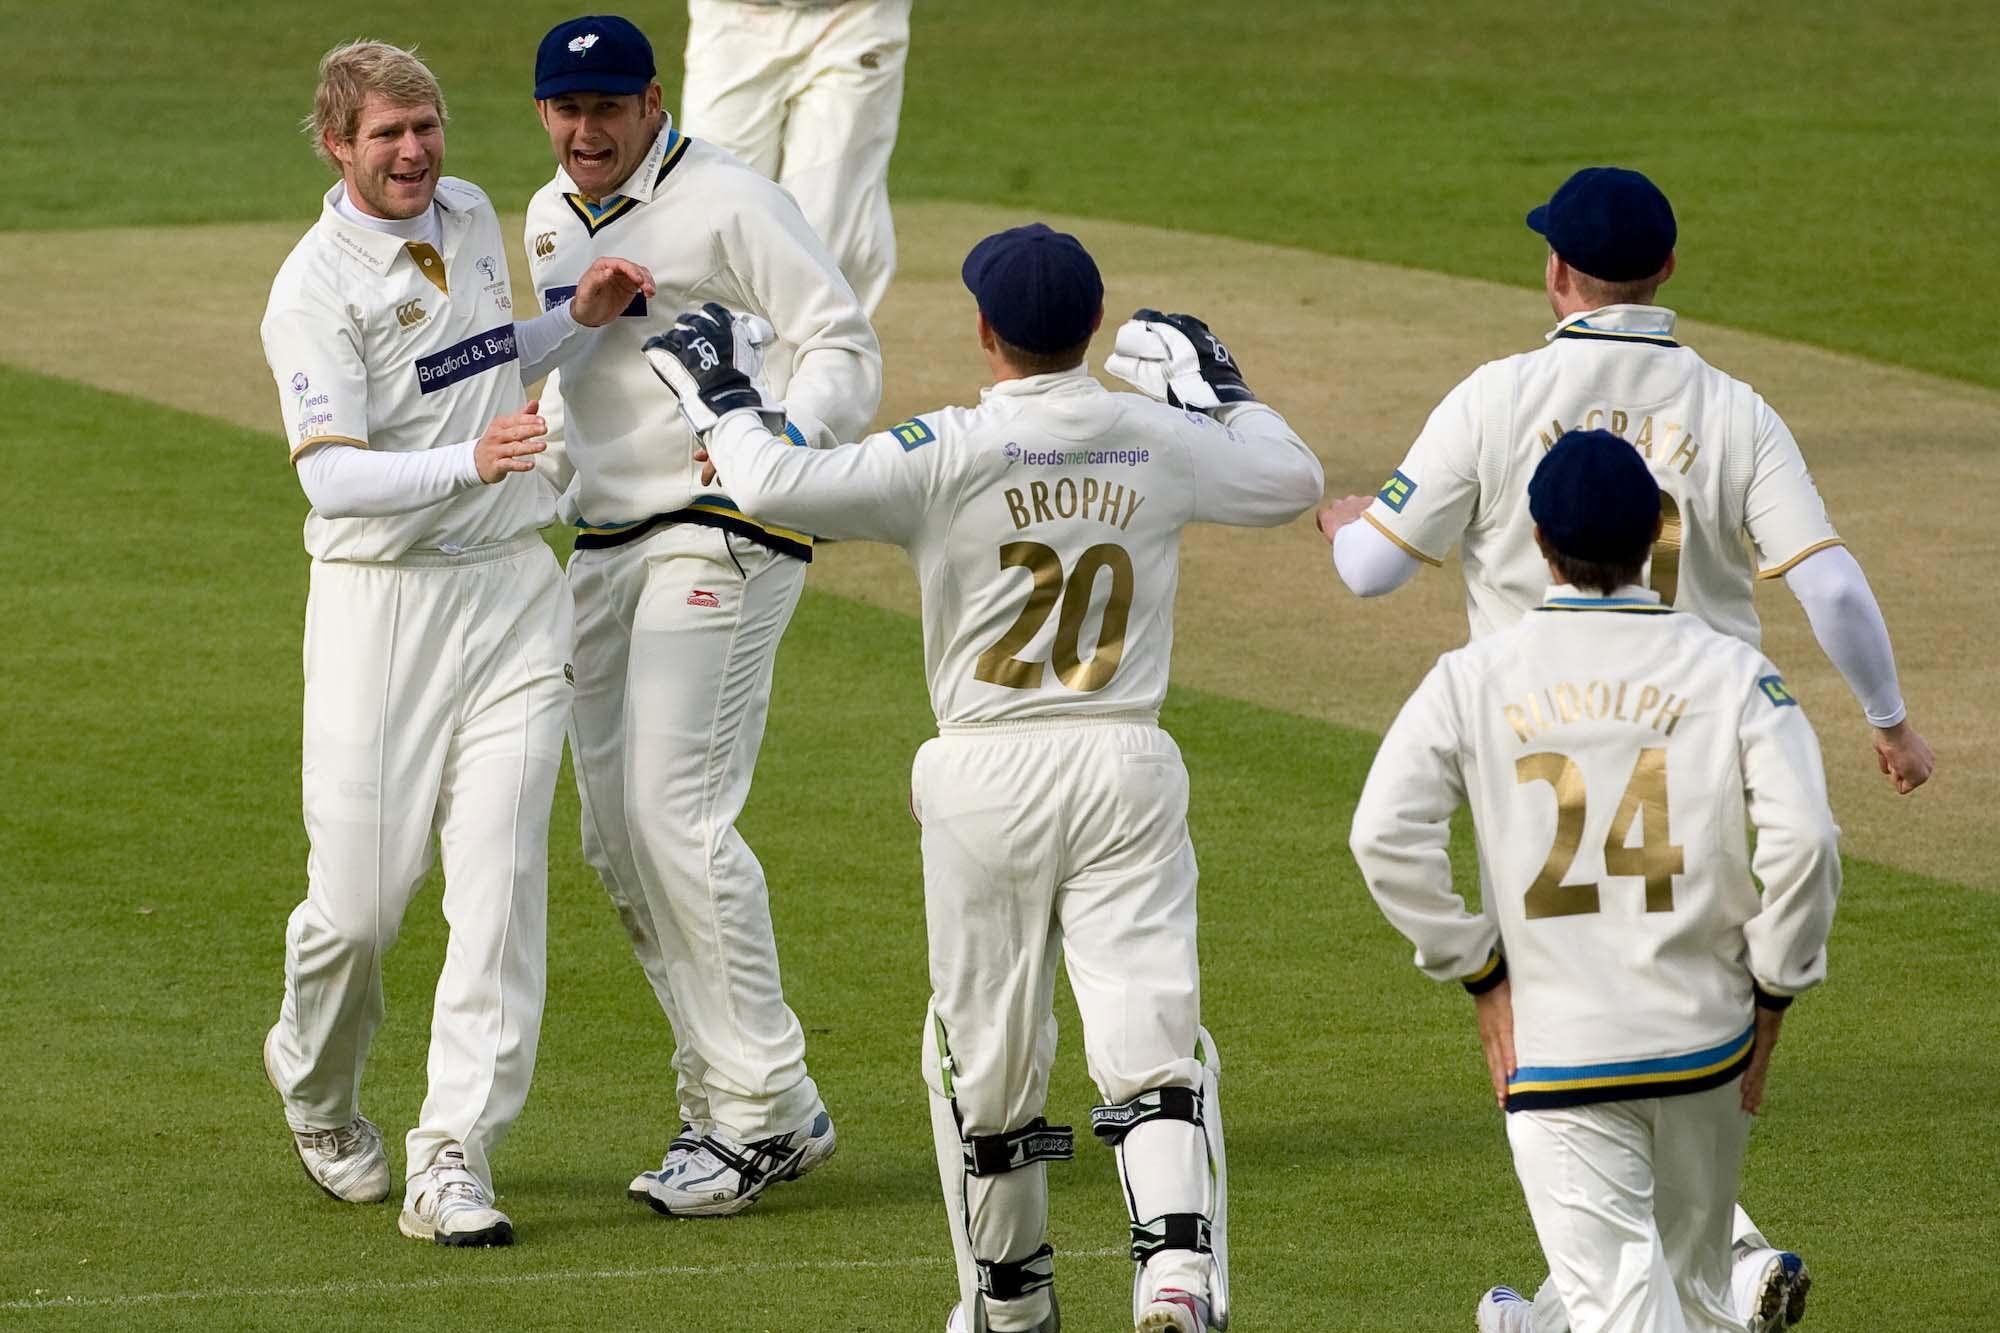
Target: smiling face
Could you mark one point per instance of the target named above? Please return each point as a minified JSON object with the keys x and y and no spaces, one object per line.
{"x":391,"y":164}
{"x":599,"y":139}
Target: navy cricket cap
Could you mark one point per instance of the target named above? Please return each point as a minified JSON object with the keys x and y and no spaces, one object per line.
{"x":598,"y":53}
{"x":1595,"y":499}
{"x":1038,"y":288}
{"x":1608,"y":222}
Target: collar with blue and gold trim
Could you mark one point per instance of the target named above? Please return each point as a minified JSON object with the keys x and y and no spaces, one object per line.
{"x":1652,"y":325}
{"x":666,"y":153}
{"x":1631,"y":598}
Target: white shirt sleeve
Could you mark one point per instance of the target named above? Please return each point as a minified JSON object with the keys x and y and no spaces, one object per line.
{"x":784,"y":273}
{"x":1250,"y":468}
{"x":1369,"y":563}
{"x":345,"y":482}
{"x":1427,"y":503}
{"x":1797,"y":857}
{"x":1783,"y":511}
{"x":1402,"y":825}
{"x":877,"y":490}
{"x":1849,"y":626}
{"x":546,"y":341}
{"x":314,"y":350}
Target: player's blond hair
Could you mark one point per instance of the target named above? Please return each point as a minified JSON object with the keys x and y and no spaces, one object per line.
{"x":351,"y":71}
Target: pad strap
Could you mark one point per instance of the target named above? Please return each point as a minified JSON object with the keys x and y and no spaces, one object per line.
{"x":1113,"y":1123}
{"x":1036,"y":1141}
{"x":1170,"y":1231}
{"x":1004,"y":1281}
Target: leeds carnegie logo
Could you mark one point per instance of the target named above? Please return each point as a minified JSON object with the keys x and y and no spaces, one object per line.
{"x":300,"y":383}
{"x":411,"y":313}
{"x":581,"y":45}
{"x":545,"y":244}
{"x":1073,"y":457}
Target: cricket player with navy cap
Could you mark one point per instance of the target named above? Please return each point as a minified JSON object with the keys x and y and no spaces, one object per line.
{"x":1045,"y":528}
{"x":1629,"y":973}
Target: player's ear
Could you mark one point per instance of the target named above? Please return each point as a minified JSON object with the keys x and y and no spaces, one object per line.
{"x":1097,"y":320}
{"x":650,"y":105}
{"x":983,"y":329}
{"x":1668,"y":271}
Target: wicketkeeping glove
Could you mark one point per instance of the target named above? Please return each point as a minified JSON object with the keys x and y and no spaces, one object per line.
{"x":1175,"y":359}
{"x":709,"y":359}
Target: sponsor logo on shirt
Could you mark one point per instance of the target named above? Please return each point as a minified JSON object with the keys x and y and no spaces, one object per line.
{"x":912,"y":434}
{"x":545,"y":244}
{"x":1396,"y":491}
{"x":555,"y":296}
{"x":1774,"y":690}
{"x":300,"y":383}
{"x":703,"y":597}
{"x":411,"y":313}
{"x":1073,"y":457}
{"x":476,"y":355}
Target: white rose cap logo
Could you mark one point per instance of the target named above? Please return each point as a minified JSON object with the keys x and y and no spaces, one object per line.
{"x":581,"y":45}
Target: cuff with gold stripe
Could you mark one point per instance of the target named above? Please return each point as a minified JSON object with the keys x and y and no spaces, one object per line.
{"x":1490,"y":974}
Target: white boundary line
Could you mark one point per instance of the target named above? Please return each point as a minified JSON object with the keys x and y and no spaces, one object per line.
{"x":378,"y":1287}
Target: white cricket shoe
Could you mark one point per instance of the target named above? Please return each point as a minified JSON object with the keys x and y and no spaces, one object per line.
{"x":716,"y":1175}
{"x":1504,"y":1310}
{"x":686,"y":1141}
{"x":1174,"y":1311}
{"x":1769,"y":1287}
{"x":348,"y":1162}
{"x":447,"y":1205}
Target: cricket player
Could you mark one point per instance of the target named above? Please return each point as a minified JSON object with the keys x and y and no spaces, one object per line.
{"x":1731,"y":478}
{"x":1044,"y":525}
{"x":1630,"y":980}
{"x":437,"y":639}
{"x":681,"y":598}
{"x":1727,"y":467}
{"x":808,"y":92}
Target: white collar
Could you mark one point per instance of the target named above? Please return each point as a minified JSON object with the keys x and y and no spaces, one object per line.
{"x":640,"y":184}
{"x":1568,"y":594}
{"x":1054,"y":382}
{"x":1633,"y":321}
{"x":376,"y":249}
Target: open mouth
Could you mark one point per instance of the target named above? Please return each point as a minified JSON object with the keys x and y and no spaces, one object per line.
{"x":410,"y":179}
{"x":591,"y":157}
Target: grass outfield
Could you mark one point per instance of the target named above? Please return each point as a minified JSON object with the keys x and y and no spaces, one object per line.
{"x":153,"y":846}
{"x":1837,"y":180}
{"x":1834,"y":164}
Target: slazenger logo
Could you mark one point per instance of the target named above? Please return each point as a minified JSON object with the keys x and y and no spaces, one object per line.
{"x":545,"y":245}
{"x":581,"y":45}
{"x":703,"y":597}
{"x":411,"y":313}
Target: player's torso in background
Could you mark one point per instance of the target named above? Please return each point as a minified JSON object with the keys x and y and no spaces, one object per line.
{"x":624,"y":432}
{"x":1606,"y":788}
{"x":1692,"y":423}
{"x":441,"y":365}
{"x":1048,"y":567}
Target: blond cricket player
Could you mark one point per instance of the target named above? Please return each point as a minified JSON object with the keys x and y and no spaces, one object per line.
{"x":437,"y":640}
{"x":1044,"y":525}
{"x":681,"y":598}
{"x":1737,"y":501}
{"x":1630,"y":976}
{"x":809,"y":93}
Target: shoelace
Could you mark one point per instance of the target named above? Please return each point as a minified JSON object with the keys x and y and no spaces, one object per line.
{"x":342,"y":1141}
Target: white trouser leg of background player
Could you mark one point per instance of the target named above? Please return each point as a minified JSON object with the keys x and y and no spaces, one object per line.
{"x":665,"y":754}
{"x":812,"y":98}
{"x":1070,"y":839}
{"x":435,"y":701}
{"x":1632,"y":1202}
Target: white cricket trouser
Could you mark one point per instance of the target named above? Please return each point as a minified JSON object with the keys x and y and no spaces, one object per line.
{"x":1634,"y":1204}
{"x":1048,"y":841}
{"x":435,"y":703}
{"x":810,"y":97}
{"x":1547,"y":1314}
{"x":677,"y":632}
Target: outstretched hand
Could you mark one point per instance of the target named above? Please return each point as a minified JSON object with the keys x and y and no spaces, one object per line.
{"x":1337,"y":514}
{"x":511,"y":443}
{"x":606,"y":289}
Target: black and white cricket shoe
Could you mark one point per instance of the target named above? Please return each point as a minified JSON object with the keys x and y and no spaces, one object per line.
{"x":714,"y":1175}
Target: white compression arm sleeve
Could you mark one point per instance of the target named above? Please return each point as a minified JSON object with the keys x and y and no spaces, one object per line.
{"x":1369,"y":563}
{"x":1848,"y":624}
{"x":545,"y":342}
{"x":345,"y":482}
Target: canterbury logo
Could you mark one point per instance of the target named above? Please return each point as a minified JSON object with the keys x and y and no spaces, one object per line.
{"x":545,"y":245}
{"x":410,"y":313}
